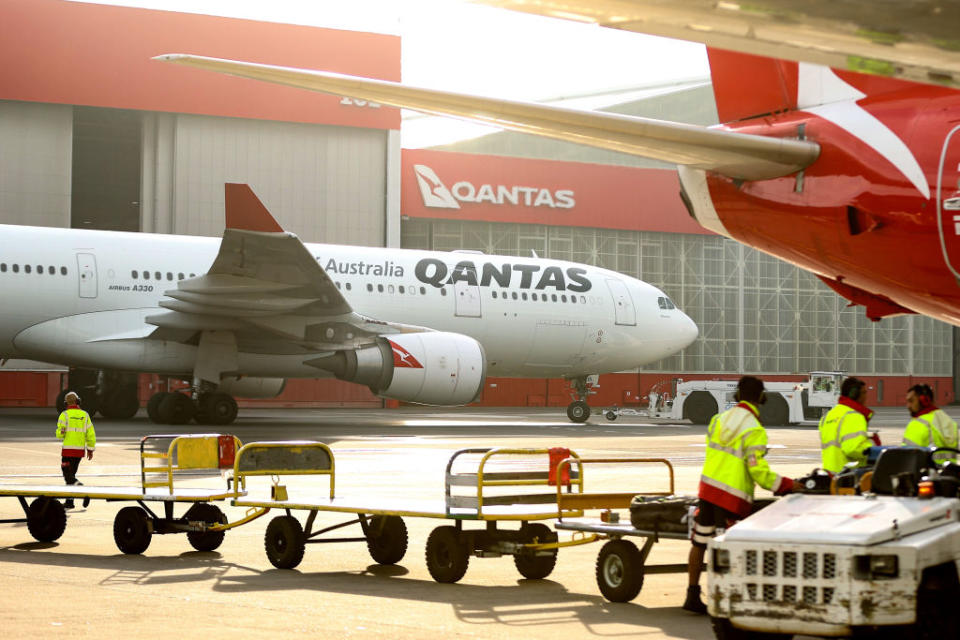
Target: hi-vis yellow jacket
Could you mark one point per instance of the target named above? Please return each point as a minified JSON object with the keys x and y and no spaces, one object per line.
{"x":76,"y":430}
{"x":843,"y":435}
{"x":736,"y":446}
{"x":932,"y":428}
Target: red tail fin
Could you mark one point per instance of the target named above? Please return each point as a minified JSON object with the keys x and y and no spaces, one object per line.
{"x":745,"y":85}
{"x":244,"y":210}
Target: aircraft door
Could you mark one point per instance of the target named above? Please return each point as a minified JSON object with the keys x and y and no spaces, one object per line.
{"x":622,"y":302}
{"x":87,"y":270}
{"x":467,"y":298}
{"x":948,"y":201}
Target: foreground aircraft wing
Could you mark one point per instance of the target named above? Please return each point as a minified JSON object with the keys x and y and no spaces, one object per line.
{"x":908,"y":39}
{"x":266,"y":287}
{"x":738,"y":155}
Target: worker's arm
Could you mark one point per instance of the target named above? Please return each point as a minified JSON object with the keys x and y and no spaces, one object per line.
{"x":917,"y":434}
{"x":91,"y":438}
{"x":61,"y":425}
{"x":854,"y":439}
{"x":755,"y":451}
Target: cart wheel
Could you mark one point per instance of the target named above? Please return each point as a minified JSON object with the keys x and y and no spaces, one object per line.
{"x":447,"y":556}
{"x":537,"y":566}
{"x":206,"y":512}
{"x":387,"y":539}
{"x":284,"y":542}
{"x":131,"y":530}
{"x":46,"y":519}
{"x":619,"y":571}
{"x":610,"y":415}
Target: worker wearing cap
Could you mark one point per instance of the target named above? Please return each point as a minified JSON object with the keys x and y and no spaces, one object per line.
{"x":843,"y":431}
{"x":734,"y":465}
{"x":930,"y":426}
{"x":75,"y":429}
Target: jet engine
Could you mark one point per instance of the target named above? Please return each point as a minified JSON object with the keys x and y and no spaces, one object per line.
{"x":425,"y":368}
{"x":250,"y":387}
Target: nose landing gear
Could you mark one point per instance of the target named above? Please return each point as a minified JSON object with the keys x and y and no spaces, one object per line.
{"x":581,"y":388}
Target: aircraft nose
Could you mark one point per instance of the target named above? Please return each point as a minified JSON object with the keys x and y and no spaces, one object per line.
{"x":689,"y":331}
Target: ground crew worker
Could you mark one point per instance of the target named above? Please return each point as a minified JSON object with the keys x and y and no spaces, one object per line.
{"x":736,"y":446}
{"x":930,"y":426}
{"x":843,"y":431}
{"x":76,"y":430}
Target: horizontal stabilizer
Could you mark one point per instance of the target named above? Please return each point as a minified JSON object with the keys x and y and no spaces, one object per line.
{"x":738,"y":155}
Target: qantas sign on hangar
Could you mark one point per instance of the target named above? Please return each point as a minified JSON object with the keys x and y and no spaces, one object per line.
{"x":464,"y":186}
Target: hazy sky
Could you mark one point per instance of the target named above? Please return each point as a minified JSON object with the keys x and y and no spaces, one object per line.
{"x":449,"y":44}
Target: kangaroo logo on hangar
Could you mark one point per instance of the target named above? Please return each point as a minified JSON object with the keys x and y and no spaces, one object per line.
{"x":436,"y":194}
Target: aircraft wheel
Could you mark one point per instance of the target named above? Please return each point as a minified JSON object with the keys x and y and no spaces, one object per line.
{"x":619,"y":571}
{"x":46,"y":519}
{"x":578,"y":411}
{"x":153,"y":406}
{"x":210,"y":513}
{"x":610,"y":415}
{"x":447,"y":556}
{"x":121,"y":404}
{"x":387,"y":539}
{"x":284,"y":542}
{"x":530,"y":564}
{"x":176,"y":408}
{"x":217,"y":408}
{"x":131,"y":530}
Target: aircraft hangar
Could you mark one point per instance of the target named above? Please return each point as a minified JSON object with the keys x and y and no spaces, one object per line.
{"x":96,"y":135}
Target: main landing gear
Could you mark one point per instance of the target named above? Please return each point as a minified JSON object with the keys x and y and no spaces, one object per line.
{"x":111,"y":393}
{"x":581,"y":387}
{"x":171,"y":407}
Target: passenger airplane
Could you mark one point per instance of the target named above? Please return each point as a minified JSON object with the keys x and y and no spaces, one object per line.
{"x":853,"y":177}
{"x":241,"y":314}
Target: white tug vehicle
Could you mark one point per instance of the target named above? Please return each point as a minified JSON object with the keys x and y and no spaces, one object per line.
{"x":883,"y":563}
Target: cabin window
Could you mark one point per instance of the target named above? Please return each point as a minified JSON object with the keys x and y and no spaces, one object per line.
{"x":3,"y":267}
{"x":524,"y":295}
{"x":146,"y":275}
{"x":63,"y":271}
{"x":40,"y":269}
{"x":369,"y":287}
{"x":134,"y":274}
{"x":169,"y":276}
{"x":401,"y":289}
{"x":493,"y":294}
{"x":423,"y":291}
{"x":514,"y":295}
{"x":179,"y":276}
{"x":52,"y":270}
{"x":16,"y":268}
{"x":26,"y":268}
{"x":349,"y":286}
{"x":379,"y":288}
{"x":443,"y":291}
{"x":563,"y":298}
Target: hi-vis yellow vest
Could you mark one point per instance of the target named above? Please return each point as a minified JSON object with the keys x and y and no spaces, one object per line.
{"x":736,"y":446}
{"x":76,"y":430}
{"x":934,"y":429}
{"x":843,"y":438}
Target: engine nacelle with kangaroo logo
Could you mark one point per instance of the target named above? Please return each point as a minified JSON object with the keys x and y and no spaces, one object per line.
{"x":435,"y":368}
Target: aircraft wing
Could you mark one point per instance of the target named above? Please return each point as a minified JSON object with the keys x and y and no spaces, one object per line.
{"x":738,"y":155}
{"x":908,"y":39}
{"x":266,"y":287}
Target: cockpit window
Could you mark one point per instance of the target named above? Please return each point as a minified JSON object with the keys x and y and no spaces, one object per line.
{"x":666,"y":303}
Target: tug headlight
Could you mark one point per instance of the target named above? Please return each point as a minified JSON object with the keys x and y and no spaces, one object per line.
{"x":876,"y":567}
{"x":721,"y":561}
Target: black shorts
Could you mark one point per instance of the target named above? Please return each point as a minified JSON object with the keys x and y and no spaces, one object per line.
{"x":708,"y":519}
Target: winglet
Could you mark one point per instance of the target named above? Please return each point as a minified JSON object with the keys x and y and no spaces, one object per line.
{"x":245,"y":211}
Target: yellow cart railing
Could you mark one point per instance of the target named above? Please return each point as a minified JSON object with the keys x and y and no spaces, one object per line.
{"x":194,"y":452}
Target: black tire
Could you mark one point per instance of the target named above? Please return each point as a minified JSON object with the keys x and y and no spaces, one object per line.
{"x":610,"y":415}
{"x":46,"y":519}
{"x":619,"y":571}
{"x":217,"y":409}
{"x":131,"y":530}
{"x":176,"y":408}
{"x":937,"y":613}
{"x":284,"y":542}
{"x":387,"y":539}
{"x":447,"y":556}
{"x":206,"y":512}
{"x":121,"y":404}
{"x":774,"y":412}
{"x":578,"y":411}
{"x":536,"y":567}
{"x":153,"y":406}
{"x":700,"y":407}
{"x":723,"y":630}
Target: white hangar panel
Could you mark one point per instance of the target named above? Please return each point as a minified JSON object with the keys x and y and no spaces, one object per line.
{"x":36,"y":163}
{"x":325,"y":183}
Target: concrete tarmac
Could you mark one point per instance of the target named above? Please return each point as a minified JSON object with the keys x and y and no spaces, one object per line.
{"x":81,"y":586}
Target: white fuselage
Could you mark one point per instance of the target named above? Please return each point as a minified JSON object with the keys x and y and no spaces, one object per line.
{"x":79,"y":298}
